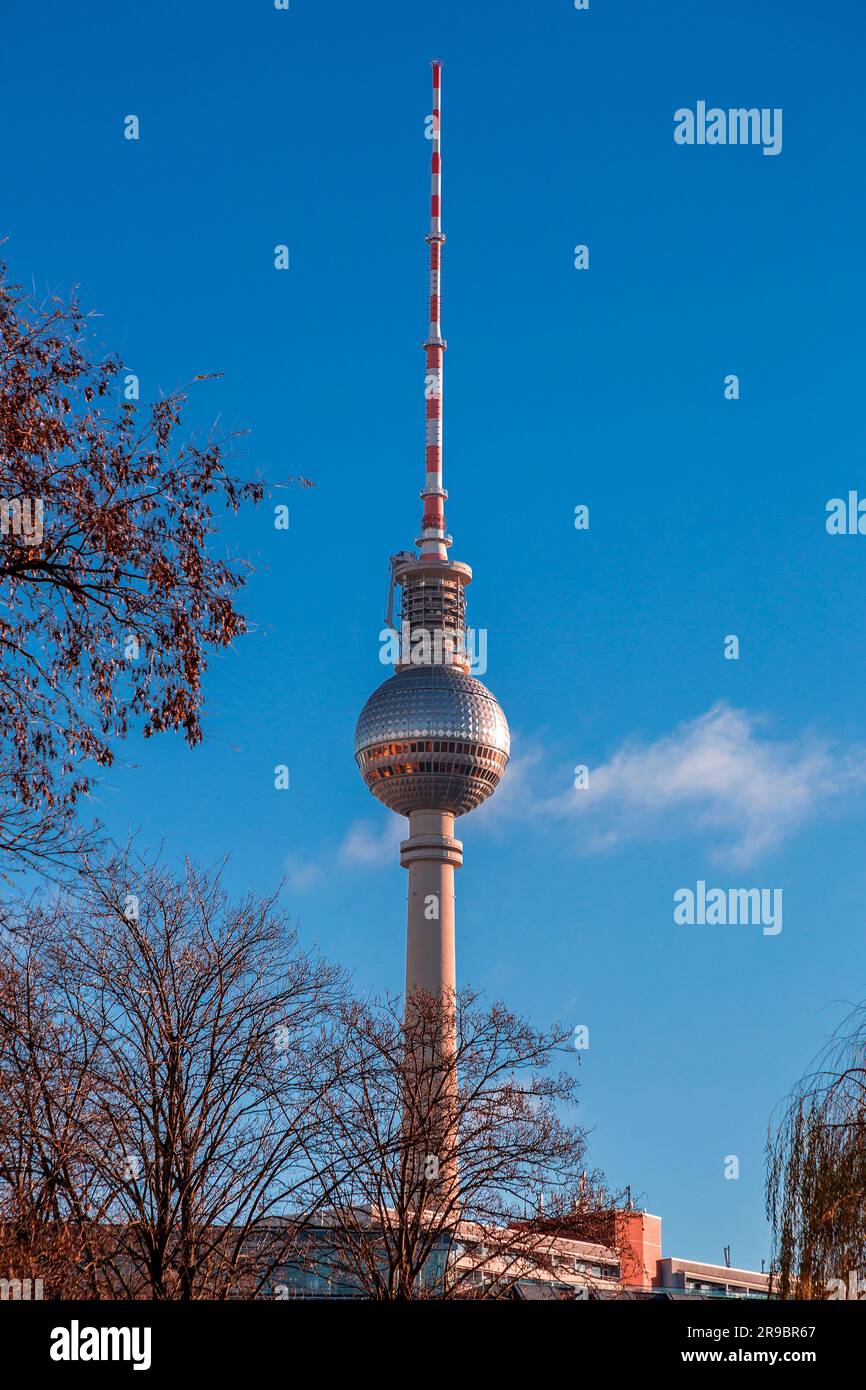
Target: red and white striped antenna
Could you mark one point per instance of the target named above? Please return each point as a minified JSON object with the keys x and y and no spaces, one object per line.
{"x":433,"y":541}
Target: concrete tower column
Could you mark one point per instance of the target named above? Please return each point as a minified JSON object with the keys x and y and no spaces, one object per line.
{"x":431,"y":854}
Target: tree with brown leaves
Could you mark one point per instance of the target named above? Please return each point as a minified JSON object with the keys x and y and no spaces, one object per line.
{"x":111,"y":596}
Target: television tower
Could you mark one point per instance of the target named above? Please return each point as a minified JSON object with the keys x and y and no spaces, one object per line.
{"x":432,"y":742}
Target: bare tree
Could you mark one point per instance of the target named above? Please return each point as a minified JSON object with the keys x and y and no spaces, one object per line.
{"x":192,"y":1107}
{"x":49,"y":1191}
{"x":200,"y":1026}
{"x":395,"y":1128}
{"x":816,"y":1170}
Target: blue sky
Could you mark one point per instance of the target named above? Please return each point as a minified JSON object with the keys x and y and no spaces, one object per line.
{"x":603,"y":387}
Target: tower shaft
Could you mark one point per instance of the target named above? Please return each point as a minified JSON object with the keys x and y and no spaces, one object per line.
{"x":431,"y":854}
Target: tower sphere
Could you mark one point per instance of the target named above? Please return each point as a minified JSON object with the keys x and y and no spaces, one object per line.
{"x":432,"y":738}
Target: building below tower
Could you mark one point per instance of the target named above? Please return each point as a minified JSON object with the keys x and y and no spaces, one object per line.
{"x":631,"y":1268}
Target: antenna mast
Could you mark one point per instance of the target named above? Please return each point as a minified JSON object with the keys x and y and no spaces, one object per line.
{"x":433,"y":541}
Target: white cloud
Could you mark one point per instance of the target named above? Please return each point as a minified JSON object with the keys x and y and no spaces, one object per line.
{"x":373,"y":842}
{"x":367,"y":843}
{"x":717,"y":774}
{"x":303,"y":874}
